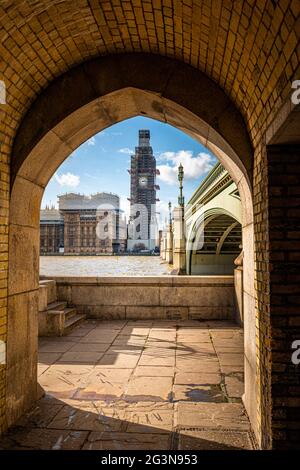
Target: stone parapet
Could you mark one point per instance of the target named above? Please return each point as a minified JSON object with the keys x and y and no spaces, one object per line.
{"x":165,"y":297}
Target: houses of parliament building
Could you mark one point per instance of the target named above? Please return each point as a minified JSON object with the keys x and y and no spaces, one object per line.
{"x":82,"y":224}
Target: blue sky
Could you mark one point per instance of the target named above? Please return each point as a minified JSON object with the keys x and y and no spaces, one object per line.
{"x":101,"y":163}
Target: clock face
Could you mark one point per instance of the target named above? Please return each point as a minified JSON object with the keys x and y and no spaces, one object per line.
{"x":143,"y":181}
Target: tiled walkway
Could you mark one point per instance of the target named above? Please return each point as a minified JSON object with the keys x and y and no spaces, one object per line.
{"x":139,"y":385}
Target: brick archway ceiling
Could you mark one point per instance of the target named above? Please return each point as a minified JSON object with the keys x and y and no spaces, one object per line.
{"x":244,"y":46}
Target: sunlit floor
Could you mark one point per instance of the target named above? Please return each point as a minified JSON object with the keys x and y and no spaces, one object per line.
{"x":139,"y":385}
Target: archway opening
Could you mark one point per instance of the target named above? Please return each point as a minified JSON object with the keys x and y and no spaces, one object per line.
{"x":103,"y":185}
{"x":33,"y":173}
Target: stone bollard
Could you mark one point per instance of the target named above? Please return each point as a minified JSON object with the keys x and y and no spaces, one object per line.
{"x":179,"y":252}
{"x":169,"y":252}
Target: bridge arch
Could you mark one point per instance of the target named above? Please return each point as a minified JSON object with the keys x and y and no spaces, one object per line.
{"x":205,"y":252}
{"x":216,"y":197}
{"x":86,"y":100}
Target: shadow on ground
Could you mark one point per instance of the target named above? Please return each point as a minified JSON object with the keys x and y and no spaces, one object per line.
{"x":53,"y":425}
{"x":149,"y":385}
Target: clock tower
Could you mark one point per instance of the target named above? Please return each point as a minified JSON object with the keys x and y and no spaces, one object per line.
{"x":143,"y":187}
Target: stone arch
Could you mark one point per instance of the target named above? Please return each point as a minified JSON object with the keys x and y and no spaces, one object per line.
{"x":74,"y":107}
{"x":222,"y":125}
{"x":198,"y":224}
{"x":211,"y":230}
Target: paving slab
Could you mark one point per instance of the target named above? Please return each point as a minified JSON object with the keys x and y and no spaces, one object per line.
{"x":153,"y":343}
{"x":158,"y":352}
{"x":45,"y":439}
{"x":214,"y":440}
{"x":197,"y":378}
{"x":125,"y":349}
{"x":150,"y":423}
{"x":191,"y":365}
{"x":84,"y":357}
{"x":139,"y":385}
{"x":41,"y":415}
{"x":87,"y":419}
{"x":129,"y":340}
{"x":211,"y":415}
{"x":127,"y":441}
{"x":198,"y":393}
{"x":90,"y":347}
{"x":111,"y":375}
{"x":150,"y":360}
{"x":149,"y":389}
{"x":118,"y":361}
{"x":62,"y":380}
{"x":235,"y":386}
{"x":48,"y":358}
{"x":103,"y":392}
{"x":55,"y":346}
{"x":155,"y":371}
{"x":100,"y":336}
{"x":193,"y":348}
{"x":232,"y":369}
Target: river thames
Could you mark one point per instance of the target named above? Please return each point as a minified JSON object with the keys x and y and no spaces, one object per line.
{"x":102,"y":266}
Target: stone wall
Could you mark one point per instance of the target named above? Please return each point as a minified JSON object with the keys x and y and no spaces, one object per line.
{"x":4,"y":214}
{"x":284,"y":191}
{"x":169,"y":297}
{"x":207,"y":263}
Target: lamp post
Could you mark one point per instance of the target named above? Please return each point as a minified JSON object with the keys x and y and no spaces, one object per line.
{"x":169,"y":250}
{"x":180,"y":179}
{"x":170,"y":213}
{"x":179,"y":251}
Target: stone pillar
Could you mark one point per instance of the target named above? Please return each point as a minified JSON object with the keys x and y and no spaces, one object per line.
{"x":179,"y":256}
{"x":163,"y":246}
{"x":239,"y":288}
{"x":169,"y":252}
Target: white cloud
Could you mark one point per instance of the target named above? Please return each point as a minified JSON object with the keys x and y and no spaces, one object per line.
{"x":127,"y":151}
{"x":67,"y":179}
{"x":91,"y":141}
{"x":194,"y":167}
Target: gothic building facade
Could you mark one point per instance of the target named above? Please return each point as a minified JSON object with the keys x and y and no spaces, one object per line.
{"x":87,"y":225}
{"x":51,"y":231}
{"x":142,"y":229}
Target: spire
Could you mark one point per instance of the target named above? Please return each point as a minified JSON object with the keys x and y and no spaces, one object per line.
{"x":180,"y":179}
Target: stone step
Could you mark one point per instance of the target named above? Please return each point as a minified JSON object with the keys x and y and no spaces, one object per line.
{"x":72,"y":322}
{"x":57,"y":306}
{"x":70,"y":312}
{"x":50,"y":286}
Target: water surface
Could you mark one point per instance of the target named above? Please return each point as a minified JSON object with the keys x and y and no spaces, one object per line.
{"x":102,"y":266}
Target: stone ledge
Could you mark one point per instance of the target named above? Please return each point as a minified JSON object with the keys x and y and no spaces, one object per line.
{"x":203,"y":281}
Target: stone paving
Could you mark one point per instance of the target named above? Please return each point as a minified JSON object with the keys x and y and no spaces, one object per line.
{"x":139,"y":385}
